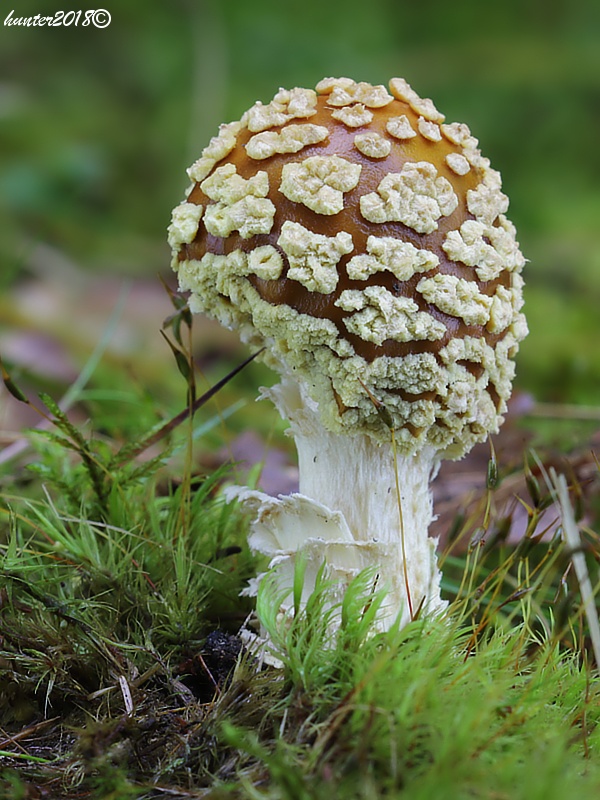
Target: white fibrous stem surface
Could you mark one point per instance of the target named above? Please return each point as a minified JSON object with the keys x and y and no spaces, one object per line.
{"x":347,"y":514}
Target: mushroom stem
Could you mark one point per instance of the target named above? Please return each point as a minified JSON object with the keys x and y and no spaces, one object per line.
{"x":348,"y":514}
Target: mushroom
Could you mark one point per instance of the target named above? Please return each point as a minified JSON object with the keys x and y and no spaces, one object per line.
{"x":362,"y":241}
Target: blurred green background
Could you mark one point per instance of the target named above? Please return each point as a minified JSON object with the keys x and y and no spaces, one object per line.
{"x":97,"y":127}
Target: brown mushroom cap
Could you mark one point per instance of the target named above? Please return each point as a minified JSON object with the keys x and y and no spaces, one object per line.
{"x":365,"y":243}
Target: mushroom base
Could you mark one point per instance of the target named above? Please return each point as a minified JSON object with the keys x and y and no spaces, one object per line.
{"x":348,"y":515}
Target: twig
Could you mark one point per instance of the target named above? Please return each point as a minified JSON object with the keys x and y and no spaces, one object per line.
{"x":26,"y":732}
{"x":564,"y":411}
{"x":126,"y":692}
{"x":573,"y":539}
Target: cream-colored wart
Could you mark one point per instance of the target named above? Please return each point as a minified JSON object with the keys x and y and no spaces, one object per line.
{"x":353,"y":116}
{"x":372,"y":145}
{"x":502,"y":310}
{"x":459,"y":133}
{"x":319,"y":182}
{"x":429,"y":130}
{"x":400,"y":127}
{"x":265,"y":262}
{"x":327,"y":85}
{"x":490,"y":249}
{"x":185,"y":219}
{"x":218,"y":270}
{"x":416,"y":196}
{"x":218,"y":147}
{"x":498,"y":369}
{"x":385,"y":253}
{"x":415,"y":373}
{"x":290,"y":139}
{"x":472,"y":411}
{"x":380,"y":316}
{"x":313,"y":258}
{"x":457,"y":297}
{"x":222,"y":144}
{"x":423,"y":106}
{"x":240,"y":204}
{"x":487,"y":201}
{"x":215,"y":273}
{"x":457,"y":163}
{"x":345,"y":92}
{"x":284,"y":107}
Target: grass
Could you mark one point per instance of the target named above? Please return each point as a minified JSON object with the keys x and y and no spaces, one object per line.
{"x":121,"y":674}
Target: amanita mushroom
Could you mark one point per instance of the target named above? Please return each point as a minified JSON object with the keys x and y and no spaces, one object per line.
{"x":364,"y":243}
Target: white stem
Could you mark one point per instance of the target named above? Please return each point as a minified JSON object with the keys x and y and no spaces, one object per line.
{"x":357,"y":476}
{"x":348,"y":512}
